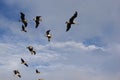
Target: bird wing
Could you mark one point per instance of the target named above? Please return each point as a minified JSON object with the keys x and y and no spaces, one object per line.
{"x":68,"y":27}
{"x":37,"y":23}
{"x":73,"y":17}
{"x":22,"y":60}
{"x":22,"y":16}
{"x":38,"y":18}
{"x":15,"y":72}
{"x":19,"y":76}
{"x":26,"y":64}
{"x":47,"y":32}
{"x":37,"y":71}
{"x":23,"y":28}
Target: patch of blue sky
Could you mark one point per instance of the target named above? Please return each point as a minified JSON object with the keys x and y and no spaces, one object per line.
{"x":8,"y":11}
{"x":97,"y":41}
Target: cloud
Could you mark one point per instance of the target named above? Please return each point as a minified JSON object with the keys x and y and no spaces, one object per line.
{"x":66,"y":56}
{"x":77,"y":64}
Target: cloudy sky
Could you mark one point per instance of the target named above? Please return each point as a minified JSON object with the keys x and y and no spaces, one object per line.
{"x":89,"y":51}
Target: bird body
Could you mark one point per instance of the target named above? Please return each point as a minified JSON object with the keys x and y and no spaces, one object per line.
{"x":48,"y":35}
{"x":71,"y":21}
{"x":23,"y":62}
{"x":17,"y":73}
{"x":37,"y":21}
{"x":32,"y":51}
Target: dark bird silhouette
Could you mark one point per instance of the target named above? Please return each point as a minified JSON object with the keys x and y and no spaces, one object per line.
{"x":23,"y":28}
{"x":48,"y":35}
{"x":38,"y":72}
{"x":32,"y":51}
{"x":23,"y":62}
{"x":17,"y":73}
{"x":37,"y":21}
{"x":23,"y":20}
{"x":71,"y":21}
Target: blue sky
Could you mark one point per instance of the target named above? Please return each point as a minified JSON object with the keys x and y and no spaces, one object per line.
{"x":89,"y":51}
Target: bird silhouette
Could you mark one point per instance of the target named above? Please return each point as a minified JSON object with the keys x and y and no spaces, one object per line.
{"x":71,"y":21}
{"x":17,"y":73}
{"x":32,"y":51}
{"x":23,"y":62}
{"x":37,"y":21}
{"x":23,"y":20}
{"x":38,"y":72}
{"x":48,"y":35}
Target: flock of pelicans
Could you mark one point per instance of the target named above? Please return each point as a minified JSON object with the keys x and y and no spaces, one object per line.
{"x":37,"y":20}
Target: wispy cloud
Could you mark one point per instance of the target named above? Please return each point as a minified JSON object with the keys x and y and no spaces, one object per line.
{"x":76,"y":54}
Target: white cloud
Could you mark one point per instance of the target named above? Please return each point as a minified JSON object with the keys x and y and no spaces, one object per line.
{"x":65,"y":57}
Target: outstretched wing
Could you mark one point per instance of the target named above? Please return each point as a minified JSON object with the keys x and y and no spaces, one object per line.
{"x":15,"y":72}
{"x":37,"y":71}
{"x":37,"y":24}
{"x":26,"y":64}
{"x":19,"y":76}
{"x":22,"y":60}
{"x":68,"y":27}
{"x":38,"y":18}
{"x":22,"y":16}
{"x":73,"y":17}
{"x":47,"y":32}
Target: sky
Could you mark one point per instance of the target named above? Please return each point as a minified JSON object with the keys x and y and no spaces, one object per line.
{"x":90,"y":50}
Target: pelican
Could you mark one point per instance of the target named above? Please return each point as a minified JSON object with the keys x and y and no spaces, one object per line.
{"x":38,"y":72}
{"x":48,"y":35}
{"x":23,"y":28}
{"x":37,"y":21}
{"x":23,"y":20}
{"x":71,"y":21}
{"x":30,"y":48}
{"x":23,"y":62}
{"x":17,"y":73}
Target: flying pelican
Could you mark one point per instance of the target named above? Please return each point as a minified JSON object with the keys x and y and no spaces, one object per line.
{"x":17,"y":73}
{"x":23,"y":62}
{"x":48,"y":35}
{"x":23,"y":28}
{"x":38,"y":72}
{"x":37,"y":21}
{"x":71,"y":21}
{"x":30,"y":48}
{"x":23,"y":20}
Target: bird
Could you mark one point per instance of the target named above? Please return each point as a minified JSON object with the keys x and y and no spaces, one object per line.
{"x":17,"y":73}
{"x":48,"y":35}
{"x":71,"y":21}
{"x":37,"y":21}
{"x":23,"y":28}
{"x":38,"y":72}
{"x":23,"y":20}
{"x":23,"y":62}
{"x":32,"y":51}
